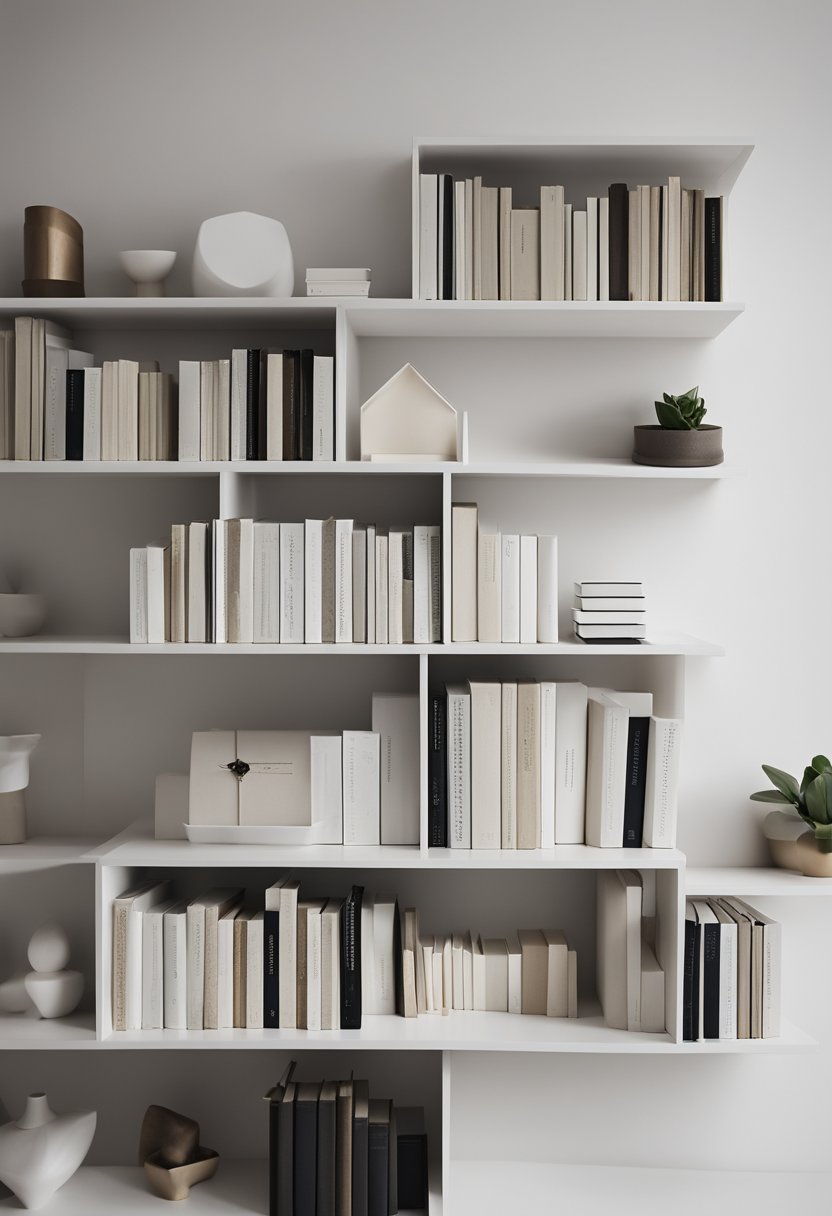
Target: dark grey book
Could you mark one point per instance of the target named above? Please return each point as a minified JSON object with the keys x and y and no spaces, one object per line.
{"x":275,"y":1098}
{"x":285,"y":1166}
{"x":360,"y":1148}
{"x":635,"y":788}
{"x":271,"y":994}
{"x":378,"y":1152}
{"x":619,"y":240}
{"x":75,"y":414}
{"x":307,"y":366}
{"x":306,"y":1147}
{"x":713,"y":249}
{"x":253,"y":372}
{"x":412,"y":1158}
{"x":343,"y":1149}
{"x":351,"y":960}
{"x":437,"y":772}
{"x":327,"y":1133}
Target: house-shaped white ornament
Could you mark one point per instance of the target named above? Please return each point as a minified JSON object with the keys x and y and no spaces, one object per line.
{"x":407,"y":419}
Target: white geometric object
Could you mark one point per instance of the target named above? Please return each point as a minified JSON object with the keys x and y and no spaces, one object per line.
{"x":408,"y":419}
{"x":243,"y":254}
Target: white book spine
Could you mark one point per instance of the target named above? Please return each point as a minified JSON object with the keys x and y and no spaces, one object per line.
{"x":323,"y":408}
{"x":479,"y":976}
{"x":381,"y":573}
{"x":396,"y":721}
{"x":395,"y":588}
{"x":459,"y":240}
{"x":155,"y":594}
{"x":464,"y":573}
{"x":772,"y":968}
{"x":579,"y":263}
{"x":548,"y":278}
{"x":153,"y":1011}
{"x":486,"y":829}
{"x":384,"y":917}
{"x":362,"y":824}
{"x":608,"y":725}
{"x":435,"y":540}
{"x":287,"y":929}
{"x":359,"y":585}
{"x":196,"y":965}
{"x":343,"y":580}
{"x":510,"y":589}
{"x":489,"y":607}
{"x":330,"y":970}
{"x":313,"y":585}
{"x":266,"y":622}
{"x":138,"y":595}
{"x":326,"y":782}
{"x":567,"y":251}
{"x":459,"y":770}
{"x":54,"y":405}
{"x":603,"y":249}
{"x":515,"y":975}
{"x":218,"y":589}
{"x":189,"y":409}
{"x":254,"y":972}
{"x":222,"y":403}
{"x":92,"y":413}
{"x":176,"y":970}
{"x":674,"y":237}
{"x":570,"y":762}
{"x":371,"y":584}
{"x":592,"y":248}
{"x":557,"y":976}
{"x":313,"y":970}
{"x":727,"y":981}
{"x":422,"y":584}
{"x":428,"y":204}
{"x":239,"y":361}
{"x":548,"y":722}
{"x":291,"y":583}
{"x":274,"y":406}
{"x":528,"y":589}
{"x":661,"y":791}
{"x":368,"y":955}
{"x":225,"y":973}
{"x":547,"y":589}
{"x":246,"y":581}
{"x":508,"y":766}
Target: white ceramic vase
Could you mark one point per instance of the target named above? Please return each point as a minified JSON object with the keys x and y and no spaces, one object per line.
{"x":148,"y":268}
{"x":15,"y":751}
{"x":42,"y":1150}
{"x":243,"y":254}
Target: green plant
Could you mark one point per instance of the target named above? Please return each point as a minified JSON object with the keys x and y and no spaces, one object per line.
{"x":683,"y":413}
{"x":812,"y":799}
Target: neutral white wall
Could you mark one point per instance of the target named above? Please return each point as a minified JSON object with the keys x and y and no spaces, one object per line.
{"x":143,"y":118}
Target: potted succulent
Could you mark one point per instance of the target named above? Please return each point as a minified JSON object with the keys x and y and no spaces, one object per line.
{"x":680,"y":440}
{"x":792,"y":845}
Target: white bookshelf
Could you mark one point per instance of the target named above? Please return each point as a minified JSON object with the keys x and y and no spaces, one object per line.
{"x":543,"y":457}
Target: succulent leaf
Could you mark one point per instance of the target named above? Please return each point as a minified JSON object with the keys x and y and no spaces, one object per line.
{"x":782,"y":781}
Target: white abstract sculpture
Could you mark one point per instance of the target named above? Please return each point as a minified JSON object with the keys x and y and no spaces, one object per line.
{"x":42,"y":1150}
{"x":408,"y":419}
{"x":15,"y":751}
{"x":243,"y":254}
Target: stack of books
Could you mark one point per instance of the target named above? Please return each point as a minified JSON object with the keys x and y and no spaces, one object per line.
{"x":651,"y":242}
{"x":731,"y":971}
{"x":610,"y":612}
{"x":504,"y":586}
{"x":629,"y":974}
{"x":527,"y":764}
{"x":318,"y":581}
{"x":334,"y":1149}
{"x":337,"y":281}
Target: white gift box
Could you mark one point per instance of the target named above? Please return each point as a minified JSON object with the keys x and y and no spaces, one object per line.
{"x":280,"y":786}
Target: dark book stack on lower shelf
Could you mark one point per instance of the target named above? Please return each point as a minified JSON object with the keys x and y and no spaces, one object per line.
{"x":335,"y":1151}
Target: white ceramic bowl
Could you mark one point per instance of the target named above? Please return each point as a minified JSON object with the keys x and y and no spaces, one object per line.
{"x":148,"y":268}
{"x":21,"y":615}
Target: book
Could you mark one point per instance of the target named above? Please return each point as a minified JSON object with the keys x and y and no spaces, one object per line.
{"x":351,"y":960}
{"x":239,"y":580}
{"x":652,"y":991}
{"x":306,"y":1147}
{"x":395,"y":587}
{"x":495,"y":954}
{"x":459,"y":765}
{"x":508,"y":766}
{"x":287,"y":953}
{"x":395,"y":718}
{"x":479,"y":986}
{"x":309,"y":999}
{"x":525,"y":253}
{"x":510,"y":588}
{"x":203,"y":918}
{"x":328,"y":580}
{"x":618,"y":199}
{"x":713,"y":218}
{"x":208,"y":383}
{"x":477,"y":238}
{"x":291,"y":405}
{"x":92,"y":414}
{"x":593,"y":590}
{"x":489,"y":628}
{"x":528,"y":764}
{"x":489,"y":239}
{"x":767,"y":944}
{"x":459,"y":241}
{"x":579,"y":259}
{"x":592,"y":248}
{"x":661,"y":789}
{"x":360,"y":1148}
{"x":674,"y":238}
{"x":253,"y":405}
{"x":306,"y":442}
{"x":343,"y":580}
{"x":551,"y":242}
{"x":189,"y":411}
{"x":225,"y":969}
{"x":266,"y":583}
{"x":548,"y":760}
{"x":175,"y":959}
{"x":528,"y":589}
{"x":371,"y":583}
{"x":178,"y":582}
{"x":428,"y":235}
{"x":153,"y":967}
{"x":407,"y":1000}
{"x":634,"y":245}
{"x":412,"y":1159}
{"x":610,"y":603}
{"x":437,"y":773}
{"x":313,"y":580}
{"x":291,"y":583}
{"x":7,"y":406}
{"x":728,"y":973}
{"x":514,"y":957}
{"x":326,"y":1172}
{"x":557,"y":974}
{"x":384,"y":947}
{"x":464,"y":572}
{"x":606,"y":633}
{"x":534,"y":951}
{"x":445,"y":238}
{"x":595,"y":616}
{"x":504,"y":240}
{"x":612,"y":963}
{"x":607,"y":735}
{"x":69,"y":442}
{"x":237,"y":408}
{"x":570,"y":762}
{"x":743,"y":953}
{"x":631,"y":882}
{"x":271,"y":956}
{"x":709,"y":969}
{"x":567,"y":251}
{"x":640,"y":707}
{"x":239,"y":962}
{"x":158,"y":597}
{"x":603,"y":251}
{"x":343,"y":1149}
{"x":427,"y":584}
{"x":331,"y":964}
{"x":361,"y":760}
{"x":690,"y":975}
{"x":285,"y":1158}
{"x":323,"y":408}
{"x":128,"y":923}
{"x":254,"y":974}
{"x":359,"y":583}
{"x":485,"y":765}
{"x":547,"y":589}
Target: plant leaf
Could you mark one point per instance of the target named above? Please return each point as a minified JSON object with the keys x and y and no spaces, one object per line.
{"x":773,"y":796}
{"x":821,"y":764}
{"x":809,"y":774}
{"x":782,"y":781}
{"x":669,"y":417}
{"x":818,"y":796}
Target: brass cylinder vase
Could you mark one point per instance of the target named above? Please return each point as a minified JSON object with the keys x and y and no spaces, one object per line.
{"x":53,"y":253}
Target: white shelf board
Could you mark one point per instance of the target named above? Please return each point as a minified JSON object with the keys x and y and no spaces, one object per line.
{"x":538,"y":319}
{"x":178,"y":312}
{"x":750,"y":880}
{"x":492,"y":1188}
{"x":22,"y":1032}
{"x":562,"y":857}
{"x":44,"y":852}
{"x":660,"y":644}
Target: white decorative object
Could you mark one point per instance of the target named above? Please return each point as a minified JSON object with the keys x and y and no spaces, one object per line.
{"x":15,"y":751}
{"x":55,"y":993}
{"x":21,"y":615}
{"x":48,"y":948}
{"x":42,"y":1150}
{"x":408,"y":419}
{"x":148,"y":268}
{"x":243,"y":254}
{"x":13,"y":995}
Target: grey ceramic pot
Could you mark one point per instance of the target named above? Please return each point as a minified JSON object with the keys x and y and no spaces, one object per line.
{"x":658,"y":445}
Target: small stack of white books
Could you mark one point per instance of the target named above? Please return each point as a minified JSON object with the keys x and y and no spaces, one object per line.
{"x":337,"y":281}
{"x":610,"y":612}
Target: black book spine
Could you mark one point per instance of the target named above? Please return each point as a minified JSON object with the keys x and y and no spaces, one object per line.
{"x":412,"y":1162}
{"x":253,"y":405}
{"x":378,"y":1148}
{"x":325,"y":1201}
{"x":619,"y":230}
{"x":710,"y":1004}
{"x":360,"y":1167}
{"x":285,"y":1172}
{"x":291,"y":393}
{"x":690,"y":996}
{"x":271,"y":993}
{"x":351,"y":961}
{"x":713,"y":249}
{"x":696,"y":1029}
{"x":447,"y":238}
{"x":306,"y":1157}
{"x":438,"y":774}
{"x":307,"y":367}
{"x":75,"y":414}
{"x":636,"y":782}
{"x":274,"y":1118}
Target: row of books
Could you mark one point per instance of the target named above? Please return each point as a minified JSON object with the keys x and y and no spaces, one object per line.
{"x":661,"y":242}
{"x":504,"y":587}
{"x":336,"y":1151}
{"x":630,"y":976}
{"x":731,"y":971}
{"x":258,"y":405}
{"x":216,"y":963}
{"x":610,"y":612}
{"x":527,"y":764}
{"x":332,"y":580}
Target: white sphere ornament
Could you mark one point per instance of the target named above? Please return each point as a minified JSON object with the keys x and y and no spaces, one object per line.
{"x":148,"y":268}
{"x":48,"y":948}
{"x":55,"y":993}
{"x":243,"y":254}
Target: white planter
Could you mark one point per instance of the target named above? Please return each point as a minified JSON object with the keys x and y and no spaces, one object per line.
{"x":42,"y":1150}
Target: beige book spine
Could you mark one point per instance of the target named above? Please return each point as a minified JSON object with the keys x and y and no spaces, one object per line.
{"x":528,"y":765}
{"x":240,"y":965}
